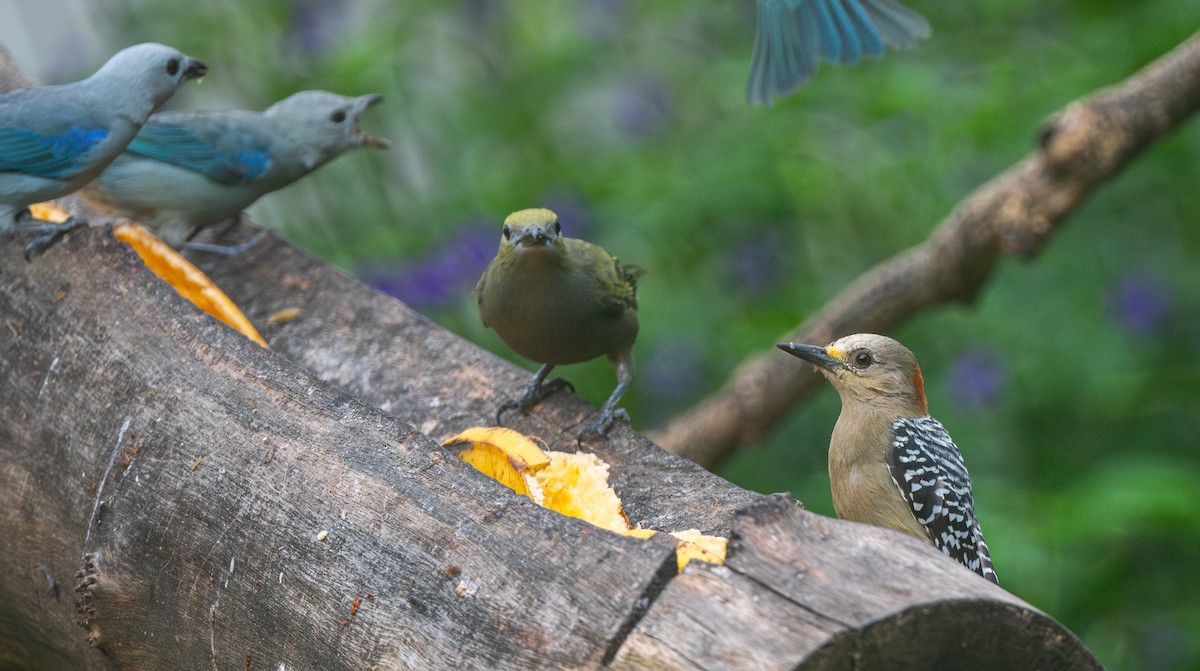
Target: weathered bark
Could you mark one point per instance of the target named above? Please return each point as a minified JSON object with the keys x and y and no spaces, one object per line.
{"x":788,"y":598}
{"x":187,"y":474}
{"x":1084,"y":145}
{"x":218,"y":502}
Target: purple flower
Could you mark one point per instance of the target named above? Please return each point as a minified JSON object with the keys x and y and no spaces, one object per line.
{"x":977,"y":378}
{"x":316,"y":24}
{"x":604,"y":19}
{"x":643,"y":107}
{"x":757,"y":265}
{"x":445,"y":274}
{"x":1140,"y":304}
{"x":672,"y":369}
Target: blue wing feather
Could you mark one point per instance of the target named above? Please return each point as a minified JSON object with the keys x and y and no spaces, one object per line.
{"x":792,"y":36}
{"x":898,"y":25}
{"x":186,"y":146}
{"x":867,"y":37}
{"x":830,"y":40}
{"x":52,"y":156}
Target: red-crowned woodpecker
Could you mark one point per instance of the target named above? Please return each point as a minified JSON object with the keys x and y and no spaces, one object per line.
{"x":890,"y":463}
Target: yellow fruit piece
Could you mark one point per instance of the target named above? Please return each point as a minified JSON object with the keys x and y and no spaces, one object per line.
{"x":577,"y":485}
{"x":506,"y":456}
{"x":185,"y":278}
{"x":50,"y":212}
{"x":695,"y":545}
{"x":284,"y":316}
{"x":570,"y":484}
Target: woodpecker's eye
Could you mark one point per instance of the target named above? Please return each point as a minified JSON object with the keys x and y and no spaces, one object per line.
{"x":173,"y":67}
{"x":555,"y":227}
{"x":507,"y":232}
{"x":862,"y":358}
{"x":338,"y":116}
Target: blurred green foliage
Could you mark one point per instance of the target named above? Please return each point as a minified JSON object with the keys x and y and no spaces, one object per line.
{"x":1072,"y":386}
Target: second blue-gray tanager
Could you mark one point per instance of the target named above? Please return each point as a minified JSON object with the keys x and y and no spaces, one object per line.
{"x":793,"y":36}
{"x":55,"y":139}
{"x":186,"y":170}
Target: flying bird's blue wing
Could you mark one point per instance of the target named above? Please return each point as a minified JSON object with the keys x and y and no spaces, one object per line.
{"x":793,"y":36}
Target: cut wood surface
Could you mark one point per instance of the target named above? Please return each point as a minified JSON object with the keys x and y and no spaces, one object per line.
{"x":176,"y":497}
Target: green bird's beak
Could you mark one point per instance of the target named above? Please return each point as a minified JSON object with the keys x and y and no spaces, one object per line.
{"x":533,"y":236}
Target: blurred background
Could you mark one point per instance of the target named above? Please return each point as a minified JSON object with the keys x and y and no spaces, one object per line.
{"x":1072,"y":386}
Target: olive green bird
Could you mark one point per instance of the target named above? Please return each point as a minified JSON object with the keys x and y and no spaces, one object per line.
{"x":558,"y":300}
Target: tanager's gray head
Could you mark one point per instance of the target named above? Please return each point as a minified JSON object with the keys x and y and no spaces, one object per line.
{"x":150,"y":70}
{"x":326,"y":123}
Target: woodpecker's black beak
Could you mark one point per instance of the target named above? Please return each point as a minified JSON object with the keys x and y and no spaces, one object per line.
{"x":814,"y":354}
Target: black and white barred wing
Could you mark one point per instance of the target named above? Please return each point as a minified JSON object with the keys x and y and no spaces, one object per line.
{"x":928,"y":469}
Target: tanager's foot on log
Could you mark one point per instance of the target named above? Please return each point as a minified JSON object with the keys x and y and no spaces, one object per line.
{"x":225,"y":250}
{"x":602,"y":423}
{"x":47,"y":233}
{"x":536,"y":390}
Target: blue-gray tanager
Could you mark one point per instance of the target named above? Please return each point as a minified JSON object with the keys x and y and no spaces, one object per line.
{"x":55,"y":139}
{"x":794,"y":35}
{"x":186,"y":170}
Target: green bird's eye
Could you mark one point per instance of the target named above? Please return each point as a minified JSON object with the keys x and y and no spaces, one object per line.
{"x":556,"y":228}
{"x":507,"y":232}
{"x":338,"y":116}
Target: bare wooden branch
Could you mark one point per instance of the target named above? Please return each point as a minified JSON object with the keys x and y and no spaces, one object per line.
{"x":1084,"y":145}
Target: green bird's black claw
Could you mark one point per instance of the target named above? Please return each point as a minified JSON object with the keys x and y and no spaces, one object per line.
{"x":504,"y":407}
{"x":535,"y":391}
{"x":601,"y":425}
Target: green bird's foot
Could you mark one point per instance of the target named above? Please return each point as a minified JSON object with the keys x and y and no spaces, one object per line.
{"x":536,"y":391}
{"x":47,"y":234}
{"x":225,"y":250}
{"x":602,"y":424}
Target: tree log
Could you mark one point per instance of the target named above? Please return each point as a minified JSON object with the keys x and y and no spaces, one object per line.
{"x":788,"y":598}
{"x":195,"y":501}
{"x":1084,"y":145}
{"x":217,"y":504}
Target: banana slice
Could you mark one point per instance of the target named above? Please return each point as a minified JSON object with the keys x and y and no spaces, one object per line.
{"x":187,"y":279}
{"x":574,"y":484}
